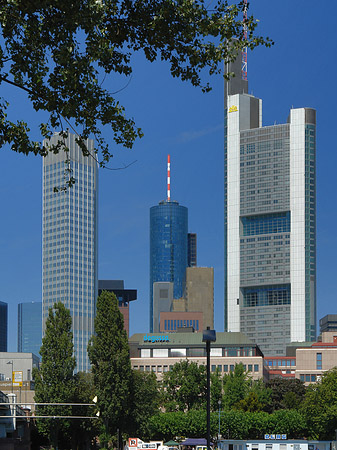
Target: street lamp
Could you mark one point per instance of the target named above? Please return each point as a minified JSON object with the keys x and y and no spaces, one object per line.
{"x":208,"y":336}
{"x":219,"y":402}
{"x":11,"y":362}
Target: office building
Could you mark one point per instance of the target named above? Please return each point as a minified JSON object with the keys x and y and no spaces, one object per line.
{"x":270,"y":222}
{"x":162,"y":302}
{"x":30,"y":327}
{"x":199,"y":293}
{"x":168,"y":246}
{"x":69,"y":245}
{"x":158,"y":353}
{"x":124,"y":296}
{"x":3,"y":326}
{"x":192,"y":249}
{"x":328,"y":323}
{"x":181,"y":321}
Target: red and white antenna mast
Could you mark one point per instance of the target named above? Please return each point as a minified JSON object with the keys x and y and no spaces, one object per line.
{"x":168,"y":178}
{"x":245,"y":49}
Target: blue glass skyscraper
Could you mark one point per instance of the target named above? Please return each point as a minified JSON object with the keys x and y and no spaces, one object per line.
{"x":168,"y":247}
{"x":30,"y":327}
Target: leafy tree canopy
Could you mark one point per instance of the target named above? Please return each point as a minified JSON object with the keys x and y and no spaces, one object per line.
{"x":108,"y":352}
{"x":320,"y":407}
{"x":184,"y":387}
{"x":59,"y":52}
{"x":285,"y":393}
{"x":54,"y":381}
{"x":236,"y":386}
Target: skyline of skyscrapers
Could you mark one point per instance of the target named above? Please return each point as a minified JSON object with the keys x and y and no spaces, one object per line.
{"x":30,"y":327}
{"x":270,"y":222}
{"x":69,"y":243}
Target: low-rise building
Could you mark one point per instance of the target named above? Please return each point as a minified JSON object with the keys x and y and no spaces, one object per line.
{"x":159,"y":352}
{"x":313,"y":361}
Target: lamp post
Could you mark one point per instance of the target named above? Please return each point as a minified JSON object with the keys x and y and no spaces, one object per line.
{"x":219,"y":402}
{"x":208,"y":336}
{"x":11,"y":362}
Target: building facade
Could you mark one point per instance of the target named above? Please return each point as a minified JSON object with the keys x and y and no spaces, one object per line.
{"x":30,"y":327}
{"x":313,"y":361}
{"x":270,"y":222}
{"x":162,"y":302}
{"x":173,"y":321}
{"x":199,"y":293}
{"x":159,"y":353}
{"x":168,"y":248}
{"x":192,"y":249}
{"x":328,"y":323}
{"x":69,"y":244}
{"x":124,"y":296}
{"x":3,"y":326}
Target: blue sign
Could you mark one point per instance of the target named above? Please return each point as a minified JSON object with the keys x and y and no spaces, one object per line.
{"x":153,"y":339}
{"x":275,"y":436}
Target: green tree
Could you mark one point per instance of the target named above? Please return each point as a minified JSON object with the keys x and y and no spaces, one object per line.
{"x":54,"y":380}
{"x":236,"y":386}
{"x":109,"y":355}
{"x":184,"y":387}
{"x":285,"y":393}
{"x":145,"y":402}
{"x":84,"y":431}
{"x":59,"y":53}
{"x":216,"y":390}
{"x":320,"y":407}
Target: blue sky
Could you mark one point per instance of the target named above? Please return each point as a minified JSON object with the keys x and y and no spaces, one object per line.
{"x":298,"y":71}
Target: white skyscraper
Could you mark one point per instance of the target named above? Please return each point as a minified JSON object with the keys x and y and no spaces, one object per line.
{"x":69,"y":243}
{"x":270,"y":222}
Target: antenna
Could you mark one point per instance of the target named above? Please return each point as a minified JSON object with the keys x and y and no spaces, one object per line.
{"x":168,"y":178}
{"x":245,"y":49}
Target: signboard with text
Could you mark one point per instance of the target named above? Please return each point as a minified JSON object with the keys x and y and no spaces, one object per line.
{"x":17,"y":378}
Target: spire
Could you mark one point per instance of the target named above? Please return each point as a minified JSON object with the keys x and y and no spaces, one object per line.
{"x":245,"y":49}
{"x":168,"y":178}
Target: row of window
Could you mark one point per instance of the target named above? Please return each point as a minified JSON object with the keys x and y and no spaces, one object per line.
{"x":196,"y":352}
{"x":170,"y":325}
{"x":219,"y":367}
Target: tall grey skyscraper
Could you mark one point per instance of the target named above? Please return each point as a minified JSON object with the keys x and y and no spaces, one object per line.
{"x":30,"y":327}
{"x":69,"y":244}
{"x":270,"y":222}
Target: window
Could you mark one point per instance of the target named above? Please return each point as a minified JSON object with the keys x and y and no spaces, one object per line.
{"x":177,"y":352}
{"x":319,"y":361}
{"x":256,"y":367}
{"x":213,"y":367}
{"x":225,"y":368}
{"x":250,"y":367}
{"x":160,"y":352}
{"x":231,"y":367}
{"x":216,"y":351}
{"x":307,"y":378}
{"x":145,"y":353}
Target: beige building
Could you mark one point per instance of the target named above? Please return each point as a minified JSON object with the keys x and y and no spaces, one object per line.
{"x":313,"y":361}
{"x":158,"y":353}
{"x":199,"y":294}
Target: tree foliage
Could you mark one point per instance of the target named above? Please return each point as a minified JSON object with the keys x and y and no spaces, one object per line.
{"x":184,"y":387}
{"x":108,"y":352}
{"x":59,"y":53}
{"x":145,"y":402}
{"x":236,"y":386}
{"x":234,"y":424}
{"x":320,"y":407}
{"x":285,"y":393}
{"x":54,"y":381}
